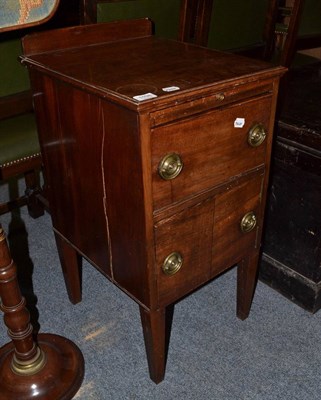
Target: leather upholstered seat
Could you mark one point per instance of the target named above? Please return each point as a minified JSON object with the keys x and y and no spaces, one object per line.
{"x":20,"y":155}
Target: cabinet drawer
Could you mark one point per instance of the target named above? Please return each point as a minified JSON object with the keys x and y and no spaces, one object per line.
{"x":212,"y":148}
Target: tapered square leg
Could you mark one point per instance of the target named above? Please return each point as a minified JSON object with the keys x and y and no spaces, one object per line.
{"x":156,"y":327}
{"x":71,"y":263}
{"x":246,"y":282}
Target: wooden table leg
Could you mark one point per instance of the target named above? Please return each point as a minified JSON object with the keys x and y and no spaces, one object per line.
{"x":71,"y":263}
{"x":52,"y":368}
{"x":156,"y":327}
{"x":246,"y":282}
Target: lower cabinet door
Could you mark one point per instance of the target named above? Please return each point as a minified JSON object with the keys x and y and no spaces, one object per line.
{"x":203,"y":240}
{"x":184,"y":251}
{"x":237,"y":222}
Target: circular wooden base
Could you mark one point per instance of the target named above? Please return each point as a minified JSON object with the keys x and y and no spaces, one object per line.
{"x":59,"y":378}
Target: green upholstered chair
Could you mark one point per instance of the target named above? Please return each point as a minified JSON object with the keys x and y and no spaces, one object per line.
{"x":20,"y":153}
{"x":19,"y":147}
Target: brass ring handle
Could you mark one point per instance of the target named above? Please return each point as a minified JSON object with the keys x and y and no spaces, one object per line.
{"x":170,"y":166}
{"x":257,"y":135}
{"x":248,"y":222}
{"x":172,"y":263}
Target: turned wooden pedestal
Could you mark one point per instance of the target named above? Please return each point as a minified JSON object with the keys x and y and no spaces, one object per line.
{"x":52,"y":368}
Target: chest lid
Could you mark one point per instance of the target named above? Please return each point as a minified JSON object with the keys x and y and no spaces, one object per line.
{"x":135,"y":68}
{"x":300,"y":118}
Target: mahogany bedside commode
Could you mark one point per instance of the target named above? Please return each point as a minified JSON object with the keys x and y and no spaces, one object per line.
{"x":156,"y":155}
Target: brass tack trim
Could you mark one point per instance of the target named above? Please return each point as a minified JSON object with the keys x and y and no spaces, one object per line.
{"x":19,"y":160}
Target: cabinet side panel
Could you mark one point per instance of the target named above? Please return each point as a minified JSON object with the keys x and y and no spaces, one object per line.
{"x":70,"y":130}
{"x":125,"y":200}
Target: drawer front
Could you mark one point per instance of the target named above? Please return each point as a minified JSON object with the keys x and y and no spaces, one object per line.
{"x":230,"y":241}
{"x":198,"y":243}
{"x":187,"y":234}
{"x":215,"y":100}
{"x":207,"y":150}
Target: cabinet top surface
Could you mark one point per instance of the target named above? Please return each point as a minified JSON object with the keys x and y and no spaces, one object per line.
{"x":134,"y":67}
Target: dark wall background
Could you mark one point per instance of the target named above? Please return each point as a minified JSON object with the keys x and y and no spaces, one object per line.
{"x":234,"y":24}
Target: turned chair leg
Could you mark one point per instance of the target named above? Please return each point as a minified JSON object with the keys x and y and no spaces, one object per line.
{"x":35,"y":207}
{"x":51,"y":368}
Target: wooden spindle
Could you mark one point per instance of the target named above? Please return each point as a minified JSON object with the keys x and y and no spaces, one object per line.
{"x":50,"y":368}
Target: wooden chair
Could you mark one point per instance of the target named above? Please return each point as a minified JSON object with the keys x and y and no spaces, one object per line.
{"x":195,"y":20}
{"x":280,"y":38}
{"x":20,"y":152}
{"x":281,"y":30}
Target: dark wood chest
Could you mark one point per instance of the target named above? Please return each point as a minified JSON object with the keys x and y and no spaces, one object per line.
{"x":291,"y":260}
{"x":156,"y":155}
